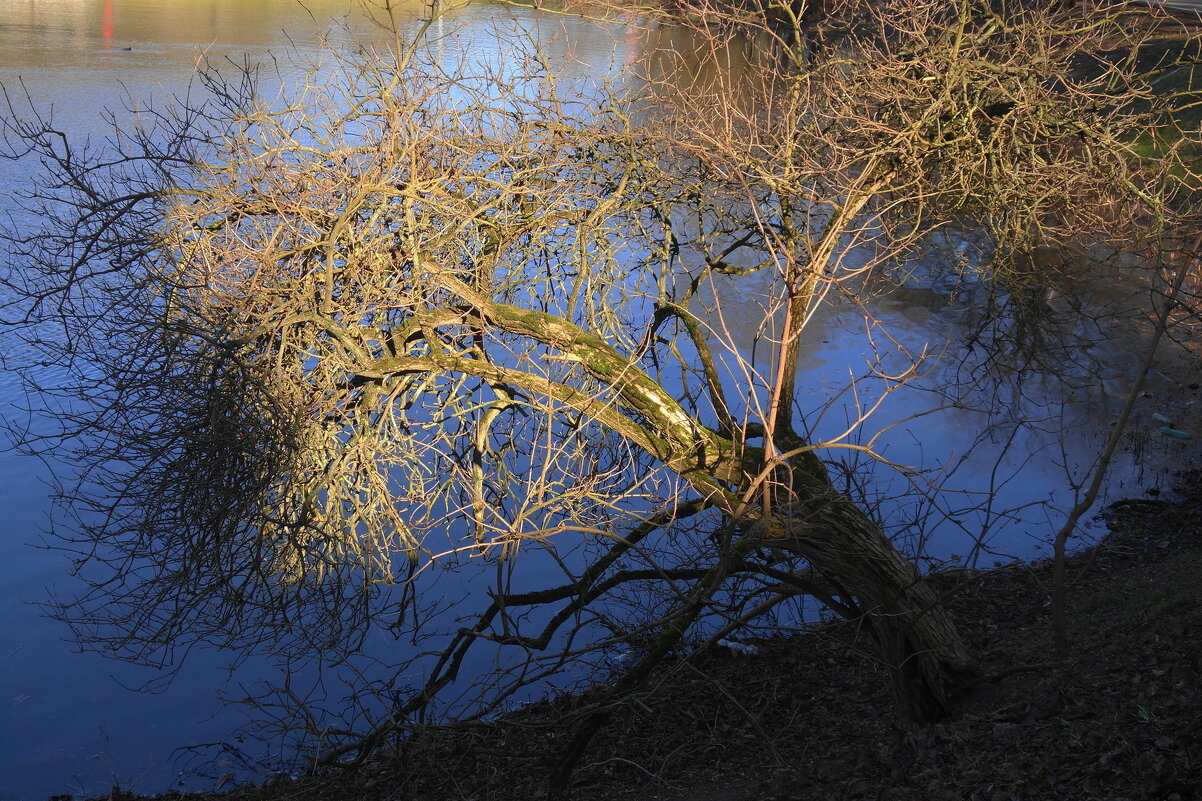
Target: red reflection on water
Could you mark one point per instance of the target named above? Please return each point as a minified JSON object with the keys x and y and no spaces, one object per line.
{"x":106,"y":25}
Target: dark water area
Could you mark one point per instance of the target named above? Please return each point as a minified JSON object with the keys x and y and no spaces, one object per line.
{"x":71,"y":722}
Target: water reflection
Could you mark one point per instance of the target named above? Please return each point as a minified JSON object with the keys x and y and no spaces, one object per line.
{"x":74,"y":34}
{"x":979,"y":456}
{"x":84,"y":731}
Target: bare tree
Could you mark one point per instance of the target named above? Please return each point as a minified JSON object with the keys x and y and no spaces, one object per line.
{"x":406,"y":316}
{"x":1065,"y":139}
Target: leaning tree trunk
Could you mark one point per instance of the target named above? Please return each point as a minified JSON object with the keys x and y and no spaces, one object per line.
{"x":914,"y":635}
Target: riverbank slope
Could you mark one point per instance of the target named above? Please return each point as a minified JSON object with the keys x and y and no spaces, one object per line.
{"x":808,"y":717}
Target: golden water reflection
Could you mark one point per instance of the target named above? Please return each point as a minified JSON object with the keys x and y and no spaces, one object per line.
{"x":61,"y":33}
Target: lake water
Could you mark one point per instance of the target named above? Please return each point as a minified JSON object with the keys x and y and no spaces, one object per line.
{"x":69,"y":722}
